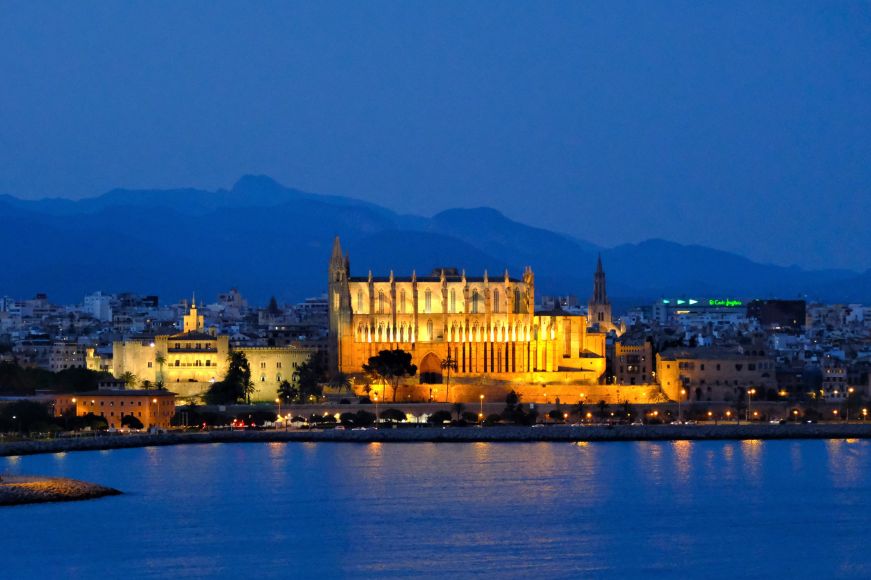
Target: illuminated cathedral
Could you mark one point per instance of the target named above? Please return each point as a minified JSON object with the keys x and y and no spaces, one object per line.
{"x":486,"y":328}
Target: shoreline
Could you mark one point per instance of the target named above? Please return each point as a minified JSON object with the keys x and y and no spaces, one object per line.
{"x":426,"y":434}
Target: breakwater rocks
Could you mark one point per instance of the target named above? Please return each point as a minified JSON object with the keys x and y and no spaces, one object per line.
{"x":414,"y":434}
{"x":19,"y":490}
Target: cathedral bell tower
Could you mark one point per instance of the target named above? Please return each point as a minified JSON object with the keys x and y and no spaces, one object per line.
{"x":599,"y":309}
{"x":339,"y":297}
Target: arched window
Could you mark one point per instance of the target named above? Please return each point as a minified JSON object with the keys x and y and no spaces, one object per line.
{"x":380,"y":302}
{"x":516,"y":300}
{"x":496,"y":301}
{"x":475,"y":299}
{"x":429,"y":335}
{"x":453,"y":305}
{"x":402,"y":301}
{"x":427,"y":301}
{"x":359,"y":301}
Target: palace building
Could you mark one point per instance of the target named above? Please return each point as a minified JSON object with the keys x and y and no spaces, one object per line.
{"x":487,"y":327}
{"x":189,"y":362}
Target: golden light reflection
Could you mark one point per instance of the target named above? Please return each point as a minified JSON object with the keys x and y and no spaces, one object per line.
{"x":682,"y":458}
{"x":751,"y":449}
{"x":843,"y":461}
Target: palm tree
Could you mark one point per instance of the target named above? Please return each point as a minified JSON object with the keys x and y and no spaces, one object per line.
{"x":342,"y":382}
{"x":160,"y":359}
{"x":129,"y":379}
{"x":458,"y":409}
{"x":448,"y":364}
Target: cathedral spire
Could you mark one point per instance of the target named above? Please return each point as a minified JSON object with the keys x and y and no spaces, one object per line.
{"x":600,"y":296}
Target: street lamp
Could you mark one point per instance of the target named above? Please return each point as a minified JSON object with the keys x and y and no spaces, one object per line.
{"x":278,"y":402}
{"x":750,"y":393}
{"x":850,"y":392}
{"x":864,"y":414}
{"x":377,"y":418}
{"x":683,"y":393}
{"x":481,"y":410}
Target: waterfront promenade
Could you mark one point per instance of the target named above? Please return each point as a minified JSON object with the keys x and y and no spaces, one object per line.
{"x":419,"y":434}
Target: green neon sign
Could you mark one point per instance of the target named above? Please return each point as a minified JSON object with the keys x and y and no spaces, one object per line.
{"x":728,"y":303}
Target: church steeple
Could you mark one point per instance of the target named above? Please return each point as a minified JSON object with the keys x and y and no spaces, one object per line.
{"x":599,"y":309}
{"x":193,"y":322}
{"x":600,"y":296}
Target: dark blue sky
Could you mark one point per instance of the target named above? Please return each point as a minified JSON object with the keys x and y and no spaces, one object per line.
{"x":743,"y":126}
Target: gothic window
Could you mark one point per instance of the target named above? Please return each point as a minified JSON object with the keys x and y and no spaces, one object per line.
{"x":453,"y":305}
{"x":359,"y":301}
{"x":567,"y":347}
{"x":496,"y":301}
{"x":402,"y":301}
{"x":429,"y":335}
{"x":516,"y":300}
{"x":427,"y":301}
{"x":475,"y":299}
{"x":380,"y":302}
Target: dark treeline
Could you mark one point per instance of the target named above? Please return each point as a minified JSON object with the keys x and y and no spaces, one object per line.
{"x":18,"y":380}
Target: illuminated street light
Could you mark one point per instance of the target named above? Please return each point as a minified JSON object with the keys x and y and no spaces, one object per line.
{"x":683,"y":393}
{"x":750,"y":393}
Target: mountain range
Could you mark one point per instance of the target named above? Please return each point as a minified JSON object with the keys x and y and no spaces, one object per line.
{"x":267,"y":239}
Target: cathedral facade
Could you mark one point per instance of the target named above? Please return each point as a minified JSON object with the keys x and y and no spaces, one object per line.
{"x":483,"y":330}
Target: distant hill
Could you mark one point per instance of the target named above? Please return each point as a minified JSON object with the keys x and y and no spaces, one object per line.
{"x":268,"y":239}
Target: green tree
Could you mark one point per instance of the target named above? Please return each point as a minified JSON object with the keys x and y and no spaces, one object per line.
{"x":160,"y":359}
{"x":239,"y":375}
{"x":131,"y":422}
{"x":341,"y":382}
{"x":25,"y":417}
{"x":458,"y":409}
{"x":439,"y":417}
{"x":448,"y":364}
{"x":391,"y":366}
{"x":237,"y":384}
{"x":311,"y":375}
{"x":603,"y":409}
{"x":129,"y":379}
{"x":288,"y":392}
{"x":392,"y":415}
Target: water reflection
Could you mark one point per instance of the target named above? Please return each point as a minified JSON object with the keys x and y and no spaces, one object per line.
{"x":515,"y":510}
{"x":751,"y":452}
{"x":844,"y":461}
{"x":682,"y":459}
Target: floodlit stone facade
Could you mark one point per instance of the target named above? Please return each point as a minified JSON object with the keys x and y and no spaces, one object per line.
{"x":189,"y":362}
{"x":487,"y":326}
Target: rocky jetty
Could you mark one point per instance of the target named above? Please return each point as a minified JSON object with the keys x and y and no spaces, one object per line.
{"x":20,"y":489}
